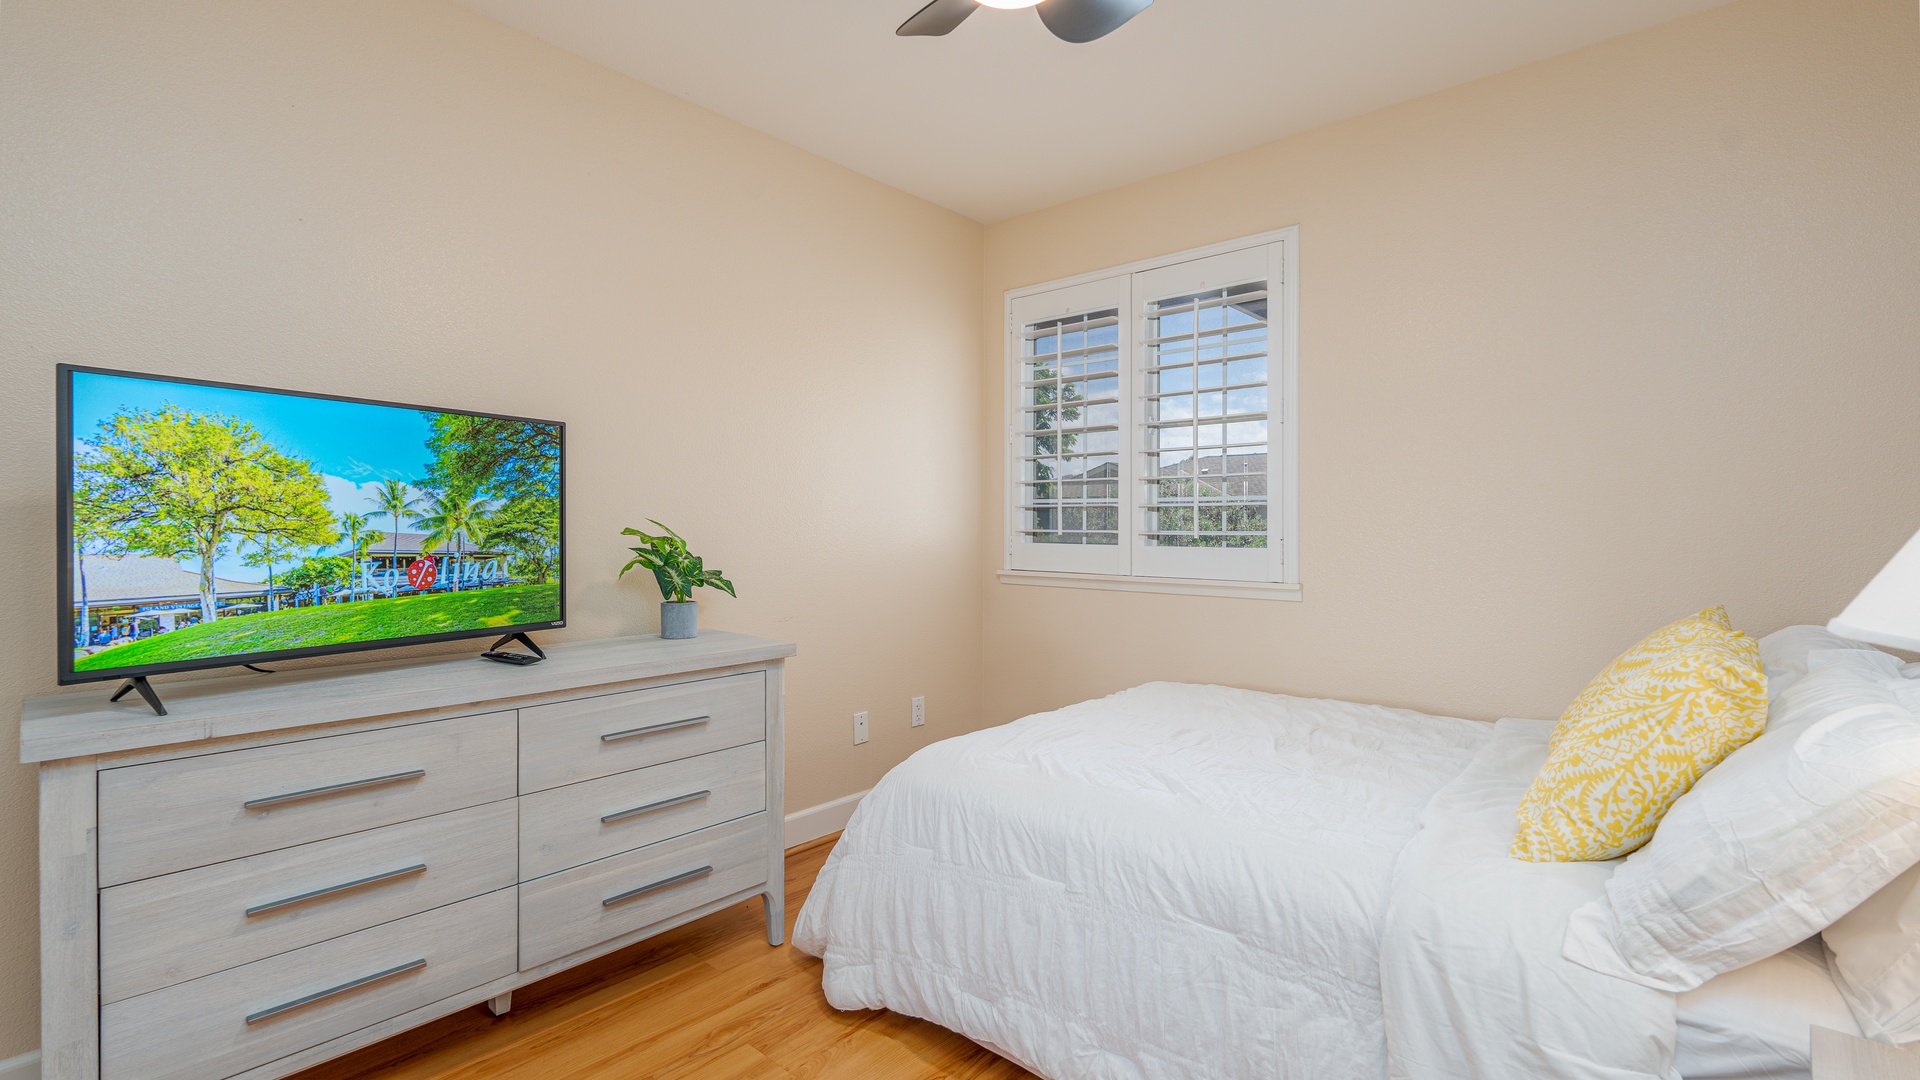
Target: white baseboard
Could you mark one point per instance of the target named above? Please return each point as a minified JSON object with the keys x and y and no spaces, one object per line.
{"x":803,"y":825}
{"x":24,"y":1067}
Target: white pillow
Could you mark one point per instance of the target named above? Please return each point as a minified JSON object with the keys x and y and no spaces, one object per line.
{"x":1843,"y":673}
{"x":1785,"y":654}
{"x":1787,"y":834}
{"x":1873,"y":953}
{"x":1752,"y":1022}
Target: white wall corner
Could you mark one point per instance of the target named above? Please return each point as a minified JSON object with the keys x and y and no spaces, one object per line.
{"x":24,"y":1067}
{"x":802,"y":825}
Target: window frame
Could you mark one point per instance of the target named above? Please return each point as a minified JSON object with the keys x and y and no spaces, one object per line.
{"x":1120,"y":569}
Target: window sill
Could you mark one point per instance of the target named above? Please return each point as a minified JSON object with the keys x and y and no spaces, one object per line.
{"x":1245,"y":590}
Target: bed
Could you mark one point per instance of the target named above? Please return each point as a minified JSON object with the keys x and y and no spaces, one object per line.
{"x":1186,"y":881}
{"x":1751,"y":1023}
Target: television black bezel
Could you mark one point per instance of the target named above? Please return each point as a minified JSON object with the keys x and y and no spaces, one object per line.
{"x":63,"y":512}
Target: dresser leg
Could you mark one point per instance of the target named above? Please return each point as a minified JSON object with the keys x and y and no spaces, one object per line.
{"x":500,"y":1003}
{"x":776,"y":911}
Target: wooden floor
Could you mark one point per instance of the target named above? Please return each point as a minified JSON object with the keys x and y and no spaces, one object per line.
{"x":707,"y":1000}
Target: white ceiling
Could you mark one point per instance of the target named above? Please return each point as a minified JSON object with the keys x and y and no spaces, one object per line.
{"x":1000,"y":118}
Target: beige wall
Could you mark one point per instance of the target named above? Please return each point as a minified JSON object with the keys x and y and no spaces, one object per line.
{"x":1584,"y":347}
{"x":404,"y":200}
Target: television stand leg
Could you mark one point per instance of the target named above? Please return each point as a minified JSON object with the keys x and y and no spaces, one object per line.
{"x":140,"y":683}
{"x":522,"y":639}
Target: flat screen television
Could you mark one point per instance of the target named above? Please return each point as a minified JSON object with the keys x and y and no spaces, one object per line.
{"x":206,"y":524}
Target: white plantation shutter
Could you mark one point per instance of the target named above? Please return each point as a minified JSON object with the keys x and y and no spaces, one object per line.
{"x":1068,"y":432}
{"x":1208,"y":409}
{"x":1149,"y":421}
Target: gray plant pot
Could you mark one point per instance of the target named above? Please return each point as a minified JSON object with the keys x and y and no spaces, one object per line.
{"x":679,"y":619}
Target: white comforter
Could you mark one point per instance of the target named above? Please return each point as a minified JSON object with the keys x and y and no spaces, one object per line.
{"x":1172,"y":882}
{"x":1474,"y":984}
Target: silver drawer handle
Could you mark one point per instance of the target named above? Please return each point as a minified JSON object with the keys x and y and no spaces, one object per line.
{"x":405,"y":871}
{"x":643,"y":890}
{"x":677,"y":800}
{"x":616,"y":736}
{"x":296,"y":1003}
{"x":313,"y":793}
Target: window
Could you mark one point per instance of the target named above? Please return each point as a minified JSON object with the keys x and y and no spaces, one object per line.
{"x":1150,"y":435}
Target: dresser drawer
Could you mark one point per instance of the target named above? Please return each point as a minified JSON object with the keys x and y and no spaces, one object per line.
{"x":567,"y":826}
{"x":570,"y":741}
{"x":166,"y":930}
{"x":187,"y":812}
{"x":574,"y":909}
{"x":247,"y":1016}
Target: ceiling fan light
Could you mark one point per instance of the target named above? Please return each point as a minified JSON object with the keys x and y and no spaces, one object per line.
{"x":1007,"y":5}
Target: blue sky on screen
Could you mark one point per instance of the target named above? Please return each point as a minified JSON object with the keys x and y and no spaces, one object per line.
{"x":353,"y":446}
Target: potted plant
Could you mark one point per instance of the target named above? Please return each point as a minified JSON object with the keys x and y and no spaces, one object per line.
{"x":678,"y":572}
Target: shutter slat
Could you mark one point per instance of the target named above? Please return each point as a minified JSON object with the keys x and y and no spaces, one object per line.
{"x":1212,"y":299}
{"x":1189,"y":393}
{"x":1075,"y":354}
{"x":1091,"y":376}
{"x":1155,"y":369}
{"x":1211,"y":333}
{"x":1070,"y":325}
{"x":1077,"y":403}
{"x":1203,"y":421}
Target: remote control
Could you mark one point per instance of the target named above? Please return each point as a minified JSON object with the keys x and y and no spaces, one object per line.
{"x":511,"y":657}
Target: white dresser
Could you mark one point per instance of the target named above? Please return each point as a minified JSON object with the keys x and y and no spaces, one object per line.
{"x":289,"y":867}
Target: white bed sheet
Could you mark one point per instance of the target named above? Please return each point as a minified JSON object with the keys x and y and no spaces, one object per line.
{"x":1173,"y":882}
{"x":1751,"y":1023}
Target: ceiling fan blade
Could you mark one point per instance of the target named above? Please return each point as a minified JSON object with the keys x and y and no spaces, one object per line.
{"x":1081,"y":21}
{"x":937,"y":18}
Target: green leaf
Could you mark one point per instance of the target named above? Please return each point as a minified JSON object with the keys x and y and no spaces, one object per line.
{"x":675,"y":569}
{"x":682,"y":586}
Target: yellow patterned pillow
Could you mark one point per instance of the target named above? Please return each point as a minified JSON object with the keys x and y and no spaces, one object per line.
{"x":1636,"y":739}
{"x":1711,"y":622}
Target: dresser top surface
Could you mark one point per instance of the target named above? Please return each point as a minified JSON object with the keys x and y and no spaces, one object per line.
{"x":81,"y":721}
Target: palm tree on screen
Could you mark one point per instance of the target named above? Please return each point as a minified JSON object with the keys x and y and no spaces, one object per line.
{"x":394,"y":498}
{"x":359,"y":537}
{"x":269,"y":549}
{"x":454,"y":516}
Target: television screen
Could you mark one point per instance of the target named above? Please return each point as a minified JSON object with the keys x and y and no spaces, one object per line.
{"x":206,"y":524}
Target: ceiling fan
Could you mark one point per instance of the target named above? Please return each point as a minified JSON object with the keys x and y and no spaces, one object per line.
{"x":1077,"y":21}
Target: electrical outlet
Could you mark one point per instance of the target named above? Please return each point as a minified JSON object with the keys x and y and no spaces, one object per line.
{"x":859,"y":728}
{"x":919,"y":712}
